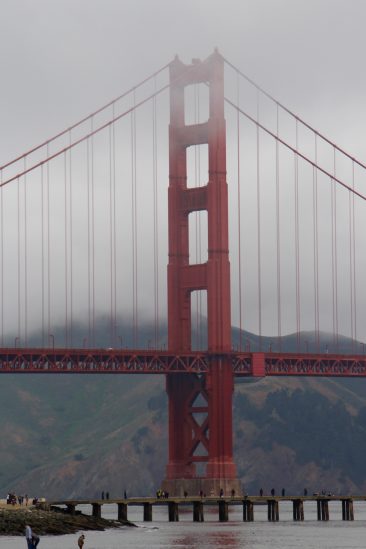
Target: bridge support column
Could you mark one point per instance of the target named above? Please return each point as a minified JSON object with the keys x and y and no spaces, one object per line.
{"x":147,"y":512}
{"x":273,"y":510}
{"x":208,"y":444}
{"x":70,"y":507}
{"x":347,"y":509}
{"x":298,"y":510}
{"x":173,"y":511}
{"x":223,"y":511}
{"x":96,"y":510}
{"x":198,"y":511}
{"x":322,"y":509}
{"x":248,"y":511}
{"x":122,"y":511}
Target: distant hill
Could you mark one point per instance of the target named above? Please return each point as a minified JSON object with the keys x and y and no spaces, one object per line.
{"x":76,"y":435}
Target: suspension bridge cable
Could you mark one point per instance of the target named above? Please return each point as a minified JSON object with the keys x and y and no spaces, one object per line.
{"x":92,"y":209}
{"x":354,"y":254}
{"x":18,"y":251}
{"x":2,"y":259}
{"x":259,"y":263}
{"x":66,"y":252}
{"x":350,"y":236}
{"x":71,"y":244}
{"x":85,"y":137}
{"x":88,"y":180}
{"x":239,"y":213}
{"x":42,"y":258}
{"x":305,"y":124}
{"x":297,"y":242}
{"x":315,"y":250}
{"x":293,"y":149}
{"x":111,"y":319}
{"x":278,"y":240}
{"x":90,"y":116}
{"x":48,"y":250}
{"x":25,"y":260}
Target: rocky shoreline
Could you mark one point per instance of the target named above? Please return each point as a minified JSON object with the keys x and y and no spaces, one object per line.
{"x":51,"y":522}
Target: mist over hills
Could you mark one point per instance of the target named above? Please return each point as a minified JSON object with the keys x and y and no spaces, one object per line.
{"x":76,"y":435}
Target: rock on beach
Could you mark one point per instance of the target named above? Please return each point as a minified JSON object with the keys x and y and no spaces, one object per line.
{"x":51,"y":522}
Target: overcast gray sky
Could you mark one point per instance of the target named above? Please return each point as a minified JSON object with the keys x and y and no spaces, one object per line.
{"x":62,"y":59}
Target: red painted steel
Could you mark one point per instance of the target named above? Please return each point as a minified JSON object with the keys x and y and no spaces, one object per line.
{"x":127,"y":361}
{"x":216,"y":387}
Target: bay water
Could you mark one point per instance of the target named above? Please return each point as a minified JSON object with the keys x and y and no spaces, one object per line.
{"x":212,"y":534}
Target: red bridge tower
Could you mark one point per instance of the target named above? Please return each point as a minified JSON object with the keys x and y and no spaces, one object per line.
{"x":192,"y":397}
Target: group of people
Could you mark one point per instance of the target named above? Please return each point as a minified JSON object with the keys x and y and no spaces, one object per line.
{"x":12,"y":499}
{"x":33,"y":539}
{"x":162,"y":494}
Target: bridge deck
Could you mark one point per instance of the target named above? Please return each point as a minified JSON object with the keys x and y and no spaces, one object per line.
{"x":130,"y":361}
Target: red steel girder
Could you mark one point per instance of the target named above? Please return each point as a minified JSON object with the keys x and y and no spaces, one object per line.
{"x":128,"y":361}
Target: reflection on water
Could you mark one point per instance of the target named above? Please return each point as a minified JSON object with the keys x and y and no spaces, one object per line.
{"x":225,"y":537}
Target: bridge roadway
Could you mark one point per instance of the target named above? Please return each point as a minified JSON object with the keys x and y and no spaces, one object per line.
{"x":221,"y":503}
{"x":129,"y":361}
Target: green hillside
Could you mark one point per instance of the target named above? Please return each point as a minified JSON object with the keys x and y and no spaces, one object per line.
{"x":76,"y":435}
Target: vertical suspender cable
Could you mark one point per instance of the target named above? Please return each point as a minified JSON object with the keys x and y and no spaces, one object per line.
{"x":114,"y":228}
{"x":335,"y":256}
{"x":88,"y":183}
{"x":239,"y":209}
{"x":333,"y":259}
{"x":350,"y":235}
{"x":278,"y":239}
{"x":354,"y":254}
{"x":315,"y":251}
{"x":66,"y":252}
{"x":48,"y":250}
{"x":112,"y":336}
{"x":2,"y":258}
{"x":42,"y":258}
{"x":18,"y":249}
{"x":71,"y":245}
{"x":297,"y":241}
{"x":92,"y":239}
{"x":25,"y":259}
{"x":259,"y":235}
{"x":156,"y":241}
{"x":134,"y":222}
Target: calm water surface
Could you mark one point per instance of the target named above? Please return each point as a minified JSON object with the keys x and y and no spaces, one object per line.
{"x":211,"y":534}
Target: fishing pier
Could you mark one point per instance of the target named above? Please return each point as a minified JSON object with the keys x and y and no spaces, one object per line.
{"x":222,"y":504}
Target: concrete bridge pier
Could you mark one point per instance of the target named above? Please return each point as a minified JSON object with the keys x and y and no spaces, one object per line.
{"x":273,"y":510}
{"x":298,"y":509}
{"x":70,"y":508}
{"x":173,"y":511}
{"x":147,"y":512}
{"x":198,"y":511}
{"x":347,"y":509}
{"x":96,"y":510}
{"x":223,"y":511}
{"x":322,"y":509}
{"x":122,"y":511}
{"x":248,"y":511}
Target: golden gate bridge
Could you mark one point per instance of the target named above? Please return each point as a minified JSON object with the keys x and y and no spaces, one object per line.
{"x":87,"y":230}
